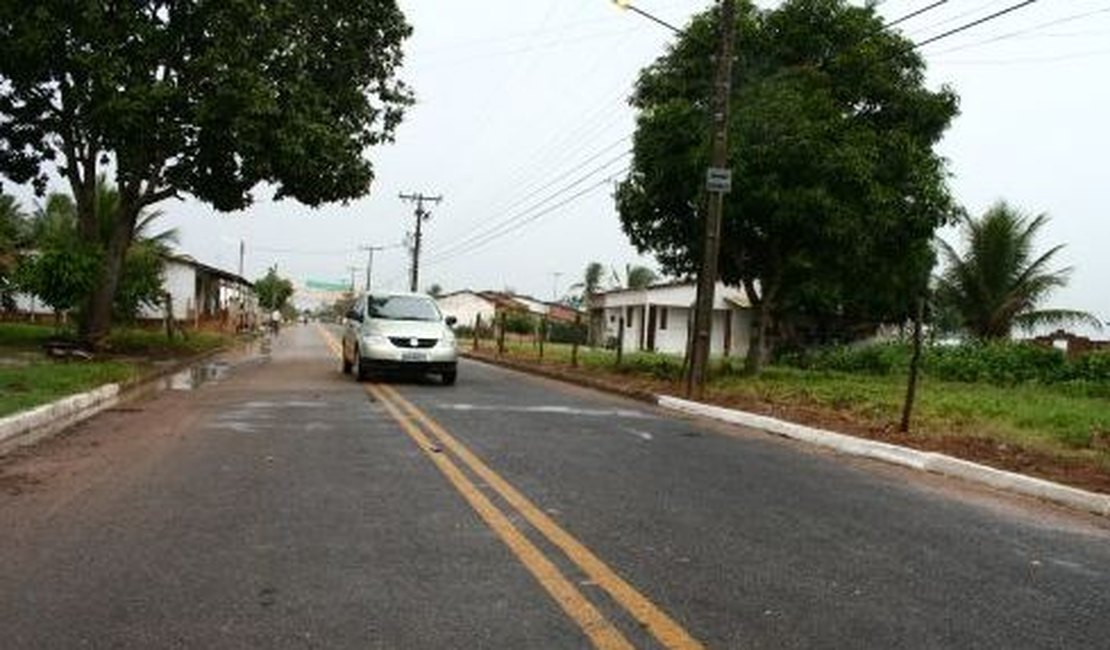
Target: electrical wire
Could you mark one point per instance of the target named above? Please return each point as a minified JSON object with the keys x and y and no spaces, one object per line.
{"x":1025,"y":31}
{"x":511,"y":221}
{"x":479,"y":244}
{"x":914,"y":14}
{"x":974,"y":23}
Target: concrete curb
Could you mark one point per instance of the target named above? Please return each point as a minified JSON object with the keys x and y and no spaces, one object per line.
{"x":28,"y":427}
{"x":920,"y":460}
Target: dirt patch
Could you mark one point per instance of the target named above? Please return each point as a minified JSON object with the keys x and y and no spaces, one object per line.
{"x":16,"y":484}
{"x":1075,"y":471}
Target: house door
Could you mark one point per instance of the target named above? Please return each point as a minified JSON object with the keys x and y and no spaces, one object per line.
{"x":651,"y":328}
{"x":728,"y":332}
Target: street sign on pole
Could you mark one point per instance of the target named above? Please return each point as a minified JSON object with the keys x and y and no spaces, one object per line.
{"x":718,"y":179}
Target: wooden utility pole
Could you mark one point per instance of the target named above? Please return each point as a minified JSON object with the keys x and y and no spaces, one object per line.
{"x":718,"y":182}
{"x":370,"y":261}
{"x":421,"y":215}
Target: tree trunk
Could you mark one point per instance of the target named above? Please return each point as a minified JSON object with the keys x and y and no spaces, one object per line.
{"x":97,"y":321}
{"x":758,"y":348}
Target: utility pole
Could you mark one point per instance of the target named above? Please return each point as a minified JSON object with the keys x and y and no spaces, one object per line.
{"x":718,"y":182}
{"x":352,"y":269}
{"x":421,"y":215}
{"x":555,"y":275}
{"x":370,"y":261}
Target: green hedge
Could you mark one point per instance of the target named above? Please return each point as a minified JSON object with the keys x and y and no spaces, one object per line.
{"x":1001,"y":363}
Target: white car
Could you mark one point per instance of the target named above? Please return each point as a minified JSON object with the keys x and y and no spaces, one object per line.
{"x":399,"y":332}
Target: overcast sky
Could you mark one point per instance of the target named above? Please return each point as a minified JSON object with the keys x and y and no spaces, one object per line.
{"x":521,"y":120}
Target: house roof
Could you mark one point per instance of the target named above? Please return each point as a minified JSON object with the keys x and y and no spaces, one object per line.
{"x":210,"y":270}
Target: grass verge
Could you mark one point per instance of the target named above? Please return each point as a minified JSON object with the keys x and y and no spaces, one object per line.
{"x":28,"y":378}
{"x":1052,"y":431}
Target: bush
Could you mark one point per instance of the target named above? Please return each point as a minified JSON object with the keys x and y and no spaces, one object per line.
{"x":1003,"y":363}
{"x":879,"y":359}
{"x":660,"y":366}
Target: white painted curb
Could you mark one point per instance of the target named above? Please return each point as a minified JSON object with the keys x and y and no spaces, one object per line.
{"x":919,"y":460}
{"x":26,"y":427}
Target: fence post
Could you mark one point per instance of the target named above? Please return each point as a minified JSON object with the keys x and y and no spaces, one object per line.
{"x":501,"y":336}
{"x":620,"y":340}
{"x":543,"y":335}
{"x":477,"y":328}
{"x":574,"y":344}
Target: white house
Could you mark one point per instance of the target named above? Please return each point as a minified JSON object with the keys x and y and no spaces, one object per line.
{"x":200,"y":295}
{"x":659,"y":318}
{"x":205,"y":295}
{"x":467,"y":307}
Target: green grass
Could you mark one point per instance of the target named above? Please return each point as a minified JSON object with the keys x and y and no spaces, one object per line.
{"x":28,"y":378}
{"x":40,"y":382}
{"x":125,"y":341}
{"x":25,"y":336}
{"x":1068,"y":419}
{"x":1046,"y":417}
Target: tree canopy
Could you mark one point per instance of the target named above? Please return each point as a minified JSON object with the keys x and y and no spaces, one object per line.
{"x":836,"y":190}
{"x":273,"y":290}
{"x":202,"y":98}
{"x":999,"y":283}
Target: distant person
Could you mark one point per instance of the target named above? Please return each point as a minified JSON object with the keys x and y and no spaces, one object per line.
{"x":275,"y":321}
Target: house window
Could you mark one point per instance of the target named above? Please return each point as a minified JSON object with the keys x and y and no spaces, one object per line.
{"x":662,"y":318}
{"x":628,"y":317}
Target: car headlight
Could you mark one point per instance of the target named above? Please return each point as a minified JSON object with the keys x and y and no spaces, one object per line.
{"x":375,"y":340}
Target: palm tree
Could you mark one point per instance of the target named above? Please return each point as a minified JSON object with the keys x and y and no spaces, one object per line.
{"x":998,"y":284}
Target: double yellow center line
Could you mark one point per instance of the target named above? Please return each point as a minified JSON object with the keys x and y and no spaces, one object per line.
{"x":434,"y":440}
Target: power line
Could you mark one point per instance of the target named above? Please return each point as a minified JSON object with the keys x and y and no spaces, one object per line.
{"x":507,"y":223}
{"x":979,"y":21}
{"x":521,"y":224}
{"x":914,"y":14}
{"x":1025,"y":31}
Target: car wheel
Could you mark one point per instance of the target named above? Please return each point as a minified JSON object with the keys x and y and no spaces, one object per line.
{"x":449,"y":377}
{"x":362,"y":371}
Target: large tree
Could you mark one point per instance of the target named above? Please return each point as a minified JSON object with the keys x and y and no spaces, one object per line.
{"x":836,"y":189}
{"x":999,"y":283}
{"x":204,"y":98}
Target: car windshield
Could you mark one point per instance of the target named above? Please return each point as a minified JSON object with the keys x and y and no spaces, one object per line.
{"x":402,"y":308}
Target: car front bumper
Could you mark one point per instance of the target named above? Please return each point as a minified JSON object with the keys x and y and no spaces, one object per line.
{"x":386,"y":356}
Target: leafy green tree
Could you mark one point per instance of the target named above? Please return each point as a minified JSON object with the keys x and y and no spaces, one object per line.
{"x":201,"y":98}
{"x":640,"y":277}
{"x":837,"y":190}
{"x":65,"y":266}
{"x":998,"y":283}
{"x":273,"y":290}
{"x":13,"y":238}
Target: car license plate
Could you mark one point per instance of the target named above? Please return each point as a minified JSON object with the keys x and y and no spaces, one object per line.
{"x":414,"y":356}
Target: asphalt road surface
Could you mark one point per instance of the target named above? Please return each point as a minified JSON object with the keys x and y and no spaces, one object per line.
{"x":268,"y":501}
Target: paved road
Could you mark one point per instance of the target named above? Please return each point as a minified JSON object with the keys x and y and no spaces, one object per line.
{"x":282,"y":505}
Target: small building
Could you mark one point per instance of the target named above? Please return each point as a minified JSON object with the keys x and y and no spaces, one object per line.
{"x":660,"y":318}
{"x":467,"y":306}
{"x":203,"y":296}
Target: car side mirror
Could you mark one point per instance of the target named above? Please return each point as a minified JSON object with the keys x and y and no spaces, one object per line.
{"x":451,"y":320}
{"x":354,"y":315}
